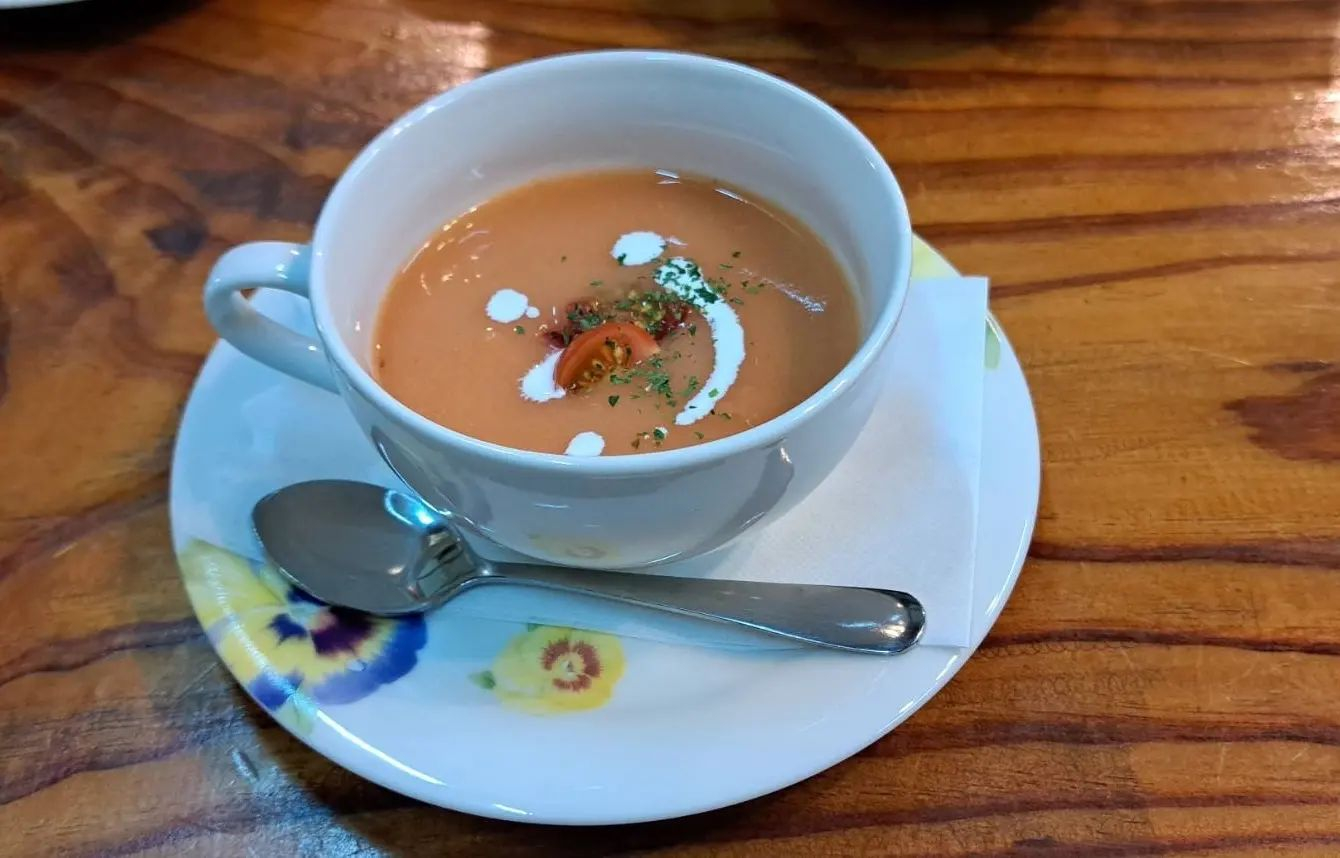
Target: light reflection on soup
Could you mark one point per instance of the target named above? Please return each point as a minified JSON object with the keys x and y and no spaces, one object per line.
{"x":614,"y":312}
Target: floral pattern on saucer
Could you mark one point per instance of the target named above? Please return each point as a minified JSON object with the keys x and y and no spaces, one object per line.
{"x":290,"y":651}
{"x":548,"y":670}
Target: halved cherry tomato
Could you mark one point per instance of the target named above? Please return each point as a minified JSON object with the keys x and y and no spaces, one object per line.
{"x":593,"y":354}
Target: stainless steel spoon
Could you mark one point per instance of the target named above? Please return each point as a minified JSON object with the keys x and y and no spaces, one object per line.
{"x":361,"y":546}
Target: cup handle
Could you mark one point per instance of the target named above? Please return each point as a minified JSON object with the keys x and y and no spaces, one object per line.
{"x":271,"y":265}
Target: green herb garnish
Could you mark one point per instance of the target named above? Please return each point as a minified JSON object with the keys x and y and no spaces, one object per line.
{"x":585,"y":321}
{"x":637,"y":439}
{"x":614,"y":400}
{"x":519,"y":329}
{"x":714,"y":393}
{"x":658,"y":382}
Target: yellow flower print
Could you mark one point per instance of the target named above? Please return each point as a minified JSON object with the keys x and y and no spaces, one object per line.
{"x":550,"y":669}
{"x":992,"y":345}
{"x":927,"y":261}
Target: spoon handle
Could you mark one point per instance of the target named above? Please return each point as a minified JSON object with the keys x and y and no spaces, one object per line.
{"x":856,"y":619}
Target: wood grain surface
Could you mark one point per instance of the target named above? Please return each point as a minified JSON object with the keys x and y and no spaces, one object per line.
{"x":1153,"y":186}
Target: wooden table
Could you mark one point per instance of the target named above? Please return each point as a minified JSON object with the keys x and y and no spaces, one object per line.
{"x":1152,"y":185}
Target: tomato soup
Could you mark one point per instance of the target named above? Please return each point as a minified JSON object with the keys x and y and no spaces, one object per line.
{"x":615,"y":312}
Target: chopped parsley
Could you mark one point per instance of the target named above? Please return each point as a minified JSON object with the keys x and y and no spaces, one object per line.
{"x":519,"y":329}
{"x":659,"y":434}
{"x":714,"y":393}
{"x":620,"y":258}
{"x":637,"y":439}
{"x":586,"y":318}
{"x":658,"y":382}
{"x":614,"y":400}
{"x":700,"y":435}
{"x":705,"y":294}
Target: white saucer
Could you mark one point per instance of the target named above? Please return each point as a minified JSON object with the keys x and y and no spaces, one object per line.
{"x":463,"y":714}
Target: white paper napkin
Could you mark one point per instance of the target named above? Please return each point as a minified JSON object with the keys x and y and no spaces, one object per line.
{"x":899,"y":512}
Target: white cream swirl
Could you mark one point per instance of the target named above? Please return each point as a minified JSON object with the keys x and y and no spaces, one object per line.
{"x":684,"y":278}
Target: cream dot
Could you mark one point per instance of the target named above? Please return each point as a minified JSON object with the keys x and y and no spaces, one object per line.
{"x":637,"y":248}
{"x":586,"y":444}
{"x":507,"y":305}
{"x":538,"y":383}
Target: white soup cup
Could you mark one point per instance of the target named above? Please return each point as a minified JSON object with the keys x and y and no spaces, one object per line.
{"x":559,"y":115}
